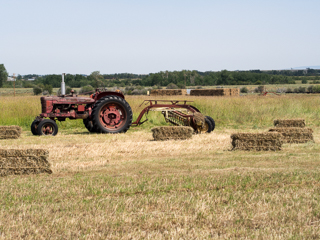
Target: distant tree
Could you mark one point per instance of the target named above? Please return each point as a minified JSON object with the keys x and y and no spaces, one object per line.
{"x":68,"y":90}
{"x":259,"y":89}
{"x":48,"y":88}
{"x":244,"y":90}
{"x":172,"y":86}
{"x":27,"y":84}
{"x":302,"y":89}
{"x":316,"y":89}
{"x":181,"y":85}
{"x":40,"y":85}
{"x":96,"y":79}
{"x":37,"y":90}
{"x":3,"y":75}
{"x":54,"y":80}
{"x":86,"y":90}
{"x":310,"y":89}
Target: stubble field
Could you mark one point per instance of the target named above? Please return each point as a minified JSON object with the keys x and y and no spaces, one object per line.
{"x":128,"y":186}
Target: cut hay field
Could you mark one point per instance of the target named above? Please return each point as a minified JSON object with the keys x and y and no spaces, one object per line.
{"x":128,"y":186}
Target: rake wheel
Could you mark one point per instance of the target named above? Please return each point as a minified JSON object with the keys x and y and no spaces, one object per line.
{"x":212,"y":122}
{"x":206,"y":128}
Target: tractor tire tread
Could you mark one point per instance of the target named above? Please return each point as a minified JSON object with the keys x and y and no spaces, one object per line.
{"x":212,"y":122}
{"x":99,"y":104}
{"x":210,"y":127}
{"x":89,"y":126}
{"x":53,"y":123}
{"x":33,"y":127}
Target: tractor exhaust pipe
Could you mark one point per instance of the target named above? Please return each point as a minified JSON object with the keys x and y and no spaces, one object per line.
{"x":63,"y":86}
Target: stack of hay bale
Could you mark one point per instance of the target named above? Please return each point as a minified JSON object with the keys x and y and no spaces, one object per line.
{"x":30,"y":161}
{"x":171,"y":132}
{"x":215,"y":92}
{"x":10,"y":132}
{"x":18,"y":162}
{"x":257,"y":141}
{"x":293,"y":130}
{"x":285,"y":131}
{"x":234,"y":91}
{"x":167,"y":92}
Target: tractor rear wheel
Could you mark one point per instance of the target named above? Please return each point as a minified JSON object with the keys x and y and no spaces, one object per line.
{"x":34,"y":127}
{"x":47,"y":127}
{"x":111,"y":114}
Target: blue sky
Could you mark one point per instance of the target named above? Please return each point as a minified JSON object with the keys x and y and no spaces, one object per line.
{"x":77,"y":36}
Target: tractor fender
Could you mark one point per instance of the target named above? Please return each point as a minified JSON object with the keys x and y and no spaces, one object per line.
{"x":107,"y":93}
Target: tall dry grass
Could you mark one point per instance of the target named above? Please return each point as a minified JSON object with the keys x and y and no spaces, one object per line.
{"x":228,"y":112}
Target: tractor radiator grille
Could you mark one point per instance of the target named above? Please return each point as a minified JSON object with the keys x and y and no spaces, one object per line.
{"x":43,"y":105}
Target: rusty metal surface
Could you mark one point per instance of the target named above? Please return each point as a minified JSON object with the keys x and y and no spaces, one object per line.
{"x":59,"y":108}
{"x":170,"y":105}
{"x":71,"y":106}
{"x":68,"y":100}
{"x":65,"y":107}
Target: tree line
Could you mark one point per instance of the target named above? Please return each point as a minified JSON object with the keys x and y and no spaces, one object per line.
{"x":3,"y":75}
{"x":182,"y":79}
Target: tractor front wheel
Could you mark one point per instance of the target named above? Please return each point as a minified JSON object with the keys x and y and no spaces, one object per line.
{"x":89,"y":125}
{"x":34,"y":127}
{"x":111,"y":114}
{"x":47,"y":127}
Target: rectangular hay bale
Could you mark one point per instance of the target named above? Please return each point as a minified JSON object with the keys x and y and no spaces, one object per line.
{"x":282,"y":123}
{"x":215,"y":92}
{"x":234,"y":91}
{"x":294,"y":134}
{"x":207,"y":92}
{"x":29,"y":161}
{"x":256,"y":141}
{"x":10,"y":132}
{"x":167,"y":92}
{"x":171,"y":132}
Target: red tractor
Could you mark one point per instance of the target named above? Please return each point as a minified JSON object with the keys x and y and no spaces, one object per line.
{"x":104,"y":112}
{"x":109,"y":112}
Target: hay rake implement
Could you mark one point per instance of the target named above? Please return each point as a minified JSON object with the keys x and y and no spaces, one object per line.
{"x":178,"y":113}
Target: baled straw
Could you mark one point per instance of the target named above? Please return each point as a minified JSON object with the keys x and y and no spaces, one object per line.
{"x":30,"y":161}
{"x":294,"y":134}
{"x":215,"y":92}
{"x":282,"y":123}
{"x":168,"y":92}
{"x":172,"y":132}
{"x":10,"y":132}
{"x":256,"y":141}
